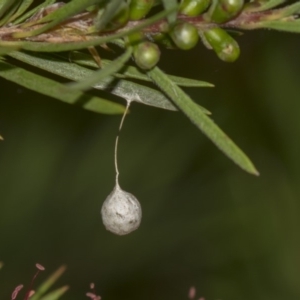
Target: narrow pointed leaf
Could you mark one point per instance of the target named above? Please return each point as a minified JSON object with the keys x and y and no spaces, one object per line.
{"x":107,"y":71}
{"x":48,"y":47}
{"x":58,"y":16}
{"x":54,"y":89}
{"x":48,"y":283}
{"x":21,"y":9}
{"x":171,"y":4}
{"x":266,"y":5}
{"x":9,"y":13}
{"x":6,"y":6}
{"x":134,"y":73}
{"x":288,"y":10}
{"x":290,"y":26}
{"x":203,"y":122}
{"x":33,"y":11}
{"x":7,"y":48}
{"x":127,"y":90}
{"x":55,"y":295}
{"x":110,"y":9}
{"x":70,"y":9}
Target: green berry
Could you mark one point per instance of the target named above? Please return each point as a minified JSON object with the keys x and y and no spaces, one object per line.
{"x":224,"y":10}
{"x":146,"y":55}
{"x":223,"y":44}
{"x":185,"y":36}
{"x":193,"y":8}
{"x":139,"y":8}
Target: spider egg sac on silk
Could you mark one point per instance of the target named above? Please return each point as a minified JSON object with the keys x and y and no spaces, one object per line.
{"x":121,"y":212}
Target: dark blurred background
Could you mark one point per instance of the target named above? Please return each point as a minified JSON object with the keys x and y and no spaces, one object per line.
{"x":205,"y":222}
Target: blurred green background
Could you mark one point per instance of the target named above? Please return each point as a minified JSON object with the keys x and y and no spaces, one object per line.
{"x":205,"y":222}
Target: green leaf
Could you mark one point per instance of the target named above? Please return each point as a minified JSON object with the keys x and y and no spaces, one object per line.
{"x":107,"y":71}
{"x":6,"y":5}
{"x":7,"y":48}
{"x":9,"y":12}
{"x":127,"y":90}
{"x":58,"y":16}
{"x":70,"y":9}
{"x":171,"y":5}
{"x":203,"y":122}
{"x":56,"y":90}
{"x":287,"y":11}
{"x":264,"y":6}
{"x":21,"y":9}
{"x":47,"y":284}
{"x":109,"y":12}
{"x":133,"y":72}
{"x":47,"y":47}
{"x":33,"y":11}
{"x":290,"y":26}
{"x":55,"y":294}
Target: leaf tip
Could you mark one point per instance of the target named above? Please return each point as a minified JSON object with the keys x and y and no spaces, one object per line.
{"x":252,"y":170}
{"x":256,"y":173}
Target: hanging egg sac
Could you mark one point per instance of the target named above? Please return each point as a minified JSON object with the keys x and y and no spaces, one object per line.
{"x":121,"y":212}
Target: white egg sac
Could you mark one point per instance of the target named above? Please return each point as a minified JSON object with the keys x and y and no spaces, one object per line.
{"x":121,"y":212}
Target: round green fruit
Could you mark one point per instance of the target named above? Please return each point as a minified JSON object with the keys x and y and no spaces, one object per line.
{"x":146,"y":55}
{"x":185,"y":36}
{"x":193,"y":8}
{"x":223,"y":44}
{"x":223,"y":10}
{"x":138,"y":9}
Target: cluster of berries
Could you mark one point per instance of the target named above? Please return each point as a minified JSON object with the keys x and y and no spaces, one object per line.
{"x":183,"y":34}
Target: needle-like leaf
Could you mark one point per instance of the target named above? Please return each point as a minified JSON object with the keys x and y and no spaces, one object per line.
{"x":48,"y":47}
{"x":47,"y":284}
{"x":109,"y":12}
{"x":21,"y":9}
{"x":203,"y":122}
{"x":289,"y":25}
{"x":6,"y":5}
{"x":171,"y":4}
{"x":56,"y":294}
{"x":7,"y":48}
{"x":133,"y":72}
{"x":130,"y":91}
{"x":33,"y":11}
{"x":107,"y":71}
{"x":287,"y":11}
{"x":12,"y":8}
{"x":56,"y":90}
{"x":264,"y":5}
{"x":58,"y":16}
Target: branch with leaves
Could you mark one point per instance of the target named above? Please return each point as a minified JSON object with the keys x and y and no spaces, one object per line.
{"x":54,"y":37}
